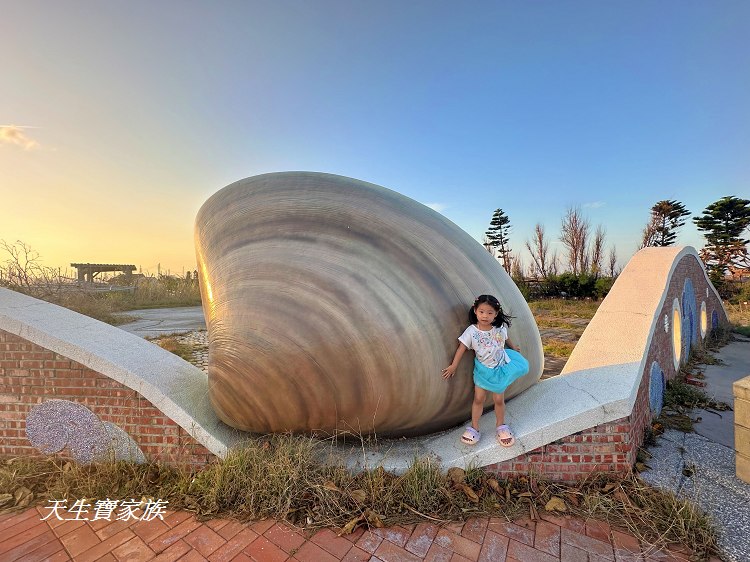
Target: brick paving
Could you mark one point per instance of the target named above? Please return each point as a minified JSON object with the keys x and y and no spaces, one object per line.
{"x":24,"y":536}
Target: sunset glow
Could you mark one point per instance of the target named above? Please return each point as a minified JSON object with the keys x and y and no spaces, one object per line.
{"x":118,"y":120}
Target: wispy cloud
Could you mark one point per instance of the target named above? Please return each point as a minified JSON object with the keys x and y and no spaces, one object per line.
{"x":15,"y":135}
{"x":594,"y":205}
{"x":439,"y":207}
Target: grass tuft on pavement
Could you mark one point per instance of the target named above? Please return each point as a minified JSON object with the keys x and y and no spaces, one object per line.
{"x":295,"y":478}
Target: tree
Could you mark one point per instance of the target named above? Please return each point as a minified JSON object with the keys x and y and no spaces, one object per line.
{"x":597,"y":251}
{"x":723,"y":223}
{"x":574,"y":236}
{"x":612,"y":262}
{"x":516,"y":269}
{"x":542,"y":265}
{"x":516,"y":273}
{"x":666,"y":218}
{"x":497,"y":238}
{"x":649,"y":235}
{"x":23,"y":271}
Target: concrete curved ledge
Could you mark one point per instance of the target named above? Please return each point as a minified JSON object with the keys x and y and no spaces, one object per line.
{"x":173,"y":385}
{"x":598,"y":384}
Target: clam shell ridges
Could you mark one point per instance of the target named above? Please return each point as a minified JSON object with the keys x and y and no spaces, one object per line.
{"x":333,"y":304}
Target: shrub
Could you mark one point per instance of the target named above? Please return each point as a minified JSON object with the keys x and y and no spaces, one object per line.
{"x":603,"y":286}
{"x":579,"y":286}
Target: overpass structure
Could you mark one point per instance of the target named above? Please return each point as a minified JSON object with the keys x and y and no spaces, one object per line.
{"x":88,"y":271}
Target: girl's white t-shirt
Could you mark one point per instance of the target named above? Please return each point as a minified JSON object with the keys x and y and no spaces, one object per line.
{"x":489,"y":347}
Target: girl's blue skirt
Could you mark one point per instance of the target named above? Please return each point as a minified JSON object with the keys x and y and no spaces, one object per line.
{"x":499,"y":378}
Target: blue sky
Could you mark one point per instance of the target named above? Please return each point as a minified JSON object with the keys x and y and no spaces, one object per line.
{"x":119,"y":119}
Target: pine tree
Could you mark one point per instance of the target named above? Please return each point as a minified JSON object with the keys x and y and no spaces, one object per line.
{"x":723,"y":223}
{"x":666,"y":218}
{"x":497,"y":238}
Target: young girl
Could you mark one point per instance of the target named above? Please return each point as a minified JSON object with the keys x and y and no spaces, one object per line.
{"x":497,"y":363}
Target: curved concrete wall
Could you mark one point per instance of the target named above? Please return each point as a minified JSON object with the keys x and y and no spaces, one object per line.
{"x":629,"y":320}
{"x":609,"y":389}
{"x":173,"y":385}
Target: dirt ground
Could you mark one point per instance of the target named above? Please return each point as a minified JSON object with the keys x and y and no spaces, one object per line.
{"x":553,"y":365}
{"x":561,"y":323}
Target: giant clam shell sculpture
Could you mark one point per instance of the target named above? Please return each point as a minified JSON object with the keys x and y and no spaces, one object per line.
{"x":332,"y":304}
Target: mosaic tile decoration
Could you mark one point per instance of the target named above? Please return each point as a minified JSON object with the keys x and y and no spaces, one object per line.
{"x":122,"y":445}
{"x":58,"y":424}
{"x":689,"y":318}
{"x":656,"y":388}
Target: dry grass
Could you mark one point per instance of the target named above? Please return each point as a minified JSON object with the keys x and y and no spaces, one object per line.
{"x":679,"y":400}
{"x":564,"y":308}
{"x":57,"y":478}
{"x":739,"y":317}
{"x":152,"y":293}
{"x":557,"y":348}
{"x":681,"y":397}
{"x":174,"y":345}
{"x":657,"y":518}
{"x":295,"y":479}
{"x":562,"y":321}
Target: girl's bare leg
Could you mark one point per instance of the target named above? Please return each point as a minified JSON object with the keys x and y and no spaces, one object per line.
{"x":477,"y":406}
{"x":499,"y":408}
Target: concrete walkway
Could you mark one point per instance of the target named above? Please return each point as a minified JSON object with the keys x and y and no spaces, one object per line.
{"x":164,"y":321}
{"x":700,"y":466}
{"x":179,"y":536}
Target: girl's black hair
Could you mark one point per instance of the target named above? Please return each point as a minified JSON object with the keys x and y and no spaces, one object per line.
{"x":501,"y":317}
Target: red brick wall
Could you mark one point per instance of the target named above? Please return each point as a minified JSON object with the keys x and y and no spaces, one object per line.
{"x":609,"y":447}
{"x":30,"y":374}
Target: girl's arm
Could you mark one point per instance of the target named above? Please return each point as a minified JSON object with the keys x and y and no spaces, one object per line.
{"x":511,"y":345}
{"x":450,"y":370}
